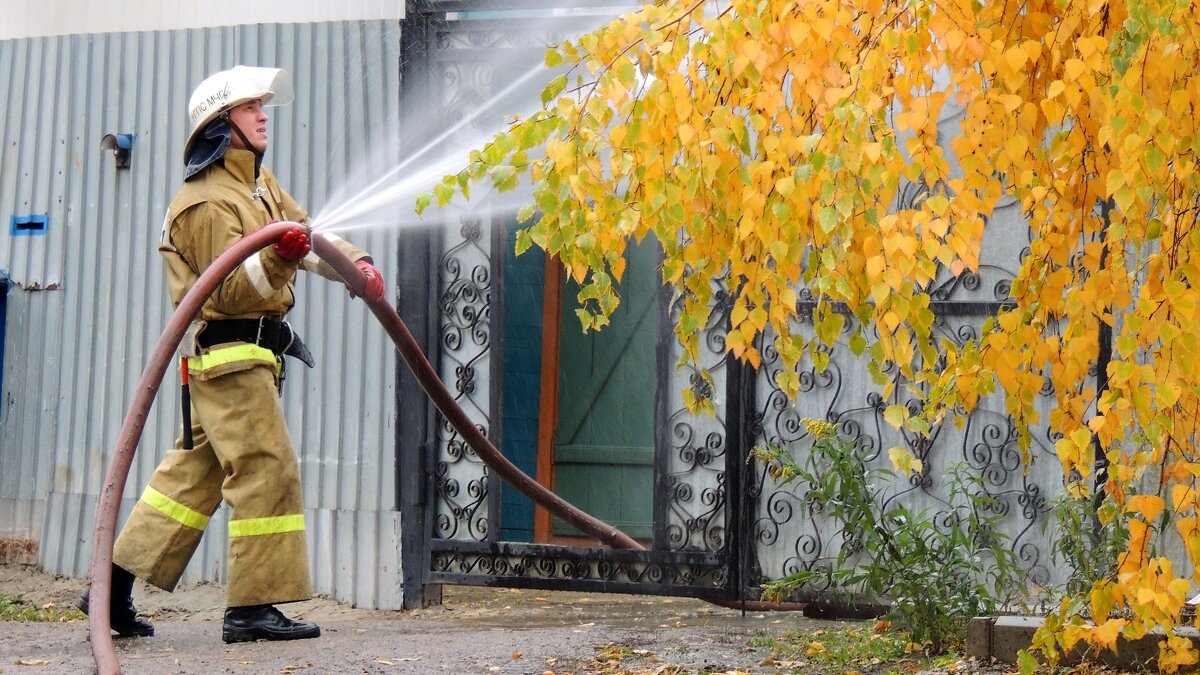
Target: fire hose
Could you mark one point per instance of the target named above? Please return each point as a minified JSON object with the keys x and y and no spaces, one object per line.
{"x":99,"y":625}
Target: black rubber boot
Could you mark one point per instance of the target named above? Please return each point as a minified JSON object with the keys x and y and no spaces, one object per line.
{"x":122,"y":616}
{"x":264,"y":622}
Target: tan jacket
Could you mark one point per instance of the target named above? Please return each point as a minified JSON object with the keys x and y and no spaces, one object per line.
{"x":211,"y":213}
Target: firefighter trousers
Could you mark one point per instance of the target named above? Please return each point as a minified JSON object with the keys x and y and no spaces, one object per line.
{"x":243,"y":454}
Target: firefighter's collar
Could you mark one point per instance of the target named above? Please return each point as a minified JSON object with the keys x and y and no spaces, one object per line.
{"x":241,"y":163}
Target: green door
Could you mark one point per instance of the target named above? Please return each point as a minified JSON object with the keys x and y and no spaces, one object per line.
{"x":604,"y":438}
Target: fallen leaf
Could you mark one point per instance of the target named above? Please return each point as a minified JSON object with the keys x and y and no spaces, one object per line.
{"x":517,"y":655}
{"x":32,"y":662}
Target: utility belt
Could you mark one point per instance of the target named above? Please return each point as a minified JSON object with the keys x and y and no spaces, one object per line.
{"x":265,"y":332}
{"x":275,"y":336}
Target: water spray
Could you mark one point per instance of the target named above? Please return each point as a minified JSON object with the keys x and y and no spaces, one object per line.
{"x":381,"y":191}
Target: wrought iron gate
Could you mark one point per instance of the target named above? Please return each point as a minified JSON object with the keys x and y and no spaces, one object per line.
{"x":720,"y":527}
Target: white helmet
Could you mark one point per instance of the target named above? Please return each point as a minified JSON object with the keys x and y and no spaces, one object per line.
{"x":228,"y":88}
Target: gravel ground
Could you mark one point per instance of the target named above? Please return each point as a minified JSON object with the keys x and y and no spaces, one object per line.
{"x":475,"y":630}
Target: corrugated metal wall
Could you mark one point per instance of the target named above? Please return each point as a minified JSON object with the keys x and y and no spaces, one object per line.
{"x":89,"y":300}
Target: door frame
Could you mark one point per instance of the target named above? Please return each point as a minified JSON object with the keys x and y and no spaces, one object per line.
{"x":548,"y":399}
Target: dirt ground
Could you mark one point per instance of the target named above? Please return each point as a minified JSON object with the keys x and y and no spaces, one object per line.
{"x":475,"y":630}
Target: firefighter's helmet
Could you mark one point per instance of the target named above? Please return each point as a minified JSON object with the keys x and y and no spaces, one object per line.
{"x":228,"y":88}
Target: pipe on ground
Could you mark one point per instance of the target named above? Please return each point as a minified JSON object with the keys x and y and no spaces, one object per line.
{"x":107,"y":509}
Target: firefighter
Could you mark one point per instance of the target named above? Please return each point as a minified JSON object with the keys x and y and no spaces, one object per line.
{"x":240,"y":450}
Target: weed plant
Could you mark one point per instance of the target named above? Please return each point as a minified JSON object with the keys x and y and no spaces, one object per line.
{"x":13,"y":608}
{"x":936,"y":576}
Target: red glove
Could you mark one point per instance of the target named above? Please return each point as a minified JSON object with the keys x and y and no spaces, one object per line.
{"x":293,"y":245}
{"x":374,"y":287}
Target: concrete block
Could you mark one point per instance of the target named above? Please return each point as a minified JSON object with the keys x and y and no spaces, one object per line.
{"x":979,"y":637}
{"x":1003,"y":638}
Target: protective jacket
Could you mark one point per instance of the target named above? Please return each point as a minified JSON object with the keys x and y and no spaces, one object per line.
{"x":242,"y":451}
{"x":210,"y":214}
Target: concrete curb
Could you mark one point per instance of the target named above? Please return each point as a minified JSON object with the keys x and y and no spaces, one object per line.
{"x":1003,"y":637}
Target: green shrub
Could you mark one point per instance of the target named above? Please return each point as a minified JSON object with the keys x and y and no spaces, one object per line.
{"x":937,"y":577}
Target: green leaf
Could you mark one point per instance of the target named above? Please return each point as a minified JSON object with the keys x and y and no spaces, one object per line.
{"x":502,"y":176}
{"x":554,"y":88}
{"x":1026,"y":663}
{"x":858,"y":343}
{"x":827,"y":218}
{"x":526,"y":212}
{"x":524,"y":241}
{"x":444,"y":193}
{"x":918,"y":425}
{"x":585,"y":318}
{"x":423,"y":201}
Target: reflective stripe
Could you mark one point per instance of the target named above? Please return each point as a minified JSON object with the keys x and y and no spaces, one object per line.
{"x":251,"y":527}
{"x":174,"y":510}
{"x":258,"y":276}
{"x":236,"y":352}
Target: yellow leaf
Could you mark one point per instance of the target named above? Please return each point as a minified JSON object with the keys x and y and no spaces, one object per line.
{"x":1074,"y":69}
{"x":1070,"y":457}
{"x":1103,"y":598}
{"x":1011,"y":102}
{"x":1091,"y":47}
{"x":1147,"y":505}
{"x":1105,"y":635}
{"x":895,"y":414}
{"x":875,"y":265}
{"x":1082,"y":438}
{"x":1183,"y":497}
{"x":1178,"y":588}
{"x":904,"y":461}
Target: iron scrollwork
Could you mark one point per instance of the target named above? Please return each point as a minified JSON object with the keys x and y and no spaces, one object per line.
{"x":790,"y":532}
{"x":695,"y":477}
{"x":461,"y":479}
{"x":579,"y":565}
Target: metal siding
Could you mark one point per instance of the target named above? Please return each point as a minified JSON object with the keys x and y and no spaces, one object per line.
{"x":75,"y":354}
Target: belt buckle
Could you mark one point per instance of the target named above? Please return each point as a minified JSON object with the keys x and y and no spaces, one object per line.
{"x":258,"y":335}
